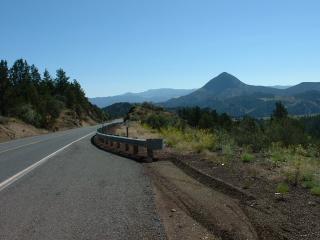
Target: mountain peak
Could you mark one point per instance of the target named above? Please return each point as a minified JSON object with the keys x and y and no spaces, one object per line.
{"x":225,"y":74}
{"x":223,"y":81}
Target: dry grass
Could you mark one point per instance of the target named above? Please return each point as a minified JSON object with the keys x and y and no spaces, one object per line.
{"x":193,"y":140}
{"x":136,"y":130}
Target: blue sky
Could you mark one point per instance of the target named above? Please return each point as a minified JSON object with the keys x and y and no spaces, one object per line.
{"x":116,"y":46}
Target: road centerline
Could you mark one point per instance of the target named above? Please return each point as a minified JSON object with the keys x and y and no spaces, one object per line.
{"x":22,"y":173}
{"x":28,"y":144}
{"x":21,"y":146}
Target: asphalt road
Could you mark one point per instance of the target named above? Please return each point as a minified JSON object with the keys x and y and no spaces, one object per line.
{"x":80,"y":192}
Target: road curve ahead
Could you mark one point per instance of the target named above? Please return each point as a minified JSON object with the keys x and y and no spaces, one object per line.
{"x":79,"y":192}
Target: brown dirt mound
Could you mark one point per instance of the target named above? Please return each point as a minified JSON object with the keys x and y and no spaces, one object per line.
{"x":11,"y":128}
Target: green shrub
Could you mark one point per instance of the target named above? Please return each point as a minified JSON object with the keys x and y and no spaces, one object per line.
{"x":308,"y":184}
{"x":315,"y":190}
{"x":225,"y":143}
{"x":156,"y":121}
{"x":249,"y":132}
{"x":282,"y":188}
{"x":287,"y":131}
{"x":279,"y":154}
{"x":247,"y":157}
{"x":29,"y":115}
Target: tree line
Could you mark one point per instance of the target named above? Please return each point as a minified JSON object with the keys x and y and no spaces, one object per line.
{"x":246,"y":131}
{"x":38,"y":98}
{"x":257,"y":133}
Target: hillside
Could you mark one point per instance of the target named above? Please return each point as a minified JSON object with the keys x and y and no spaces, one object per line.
{"x":152,"y":95}
{"x":226,"y":93}
{"x":11,"y":128}
{"x":118,"y":110}
{"x":44,"y":101}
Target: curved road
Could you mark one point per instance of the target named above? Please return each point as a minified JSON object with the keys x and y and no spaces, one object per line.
{"x":59,"y":186}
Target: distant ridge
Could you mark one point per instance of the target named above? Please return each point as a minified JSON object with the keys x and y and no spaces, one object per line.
{"x":152,"y":95}
{"x":226,"y":93}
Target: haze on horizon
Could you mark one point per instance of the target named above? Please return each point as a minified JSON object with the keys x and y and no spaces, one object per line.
{"x":113,"y":47}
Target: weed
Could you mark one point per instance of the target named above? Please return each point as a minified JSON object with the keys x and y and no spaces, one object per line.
{"x":308,"y":184}
{"x":226,"y":144}
{"x":282,"y":188}
{"x":247,"y":157}
{"x":315,"y":190}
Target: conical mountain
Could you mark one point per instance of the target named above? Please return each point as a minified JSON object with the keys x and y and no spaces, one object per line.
{"x":222,"y":82}
{"x":220,"y":88}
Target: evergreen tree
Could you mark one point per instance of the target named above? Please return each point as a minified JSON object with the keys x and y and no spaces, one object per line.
{"x":61,"y":82}
{"x":280,"y":111}
{"x":4,"y":87}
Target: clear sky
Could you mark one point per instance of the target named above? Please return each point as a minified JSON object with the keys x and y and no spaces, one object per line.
{"x":116,"y":46}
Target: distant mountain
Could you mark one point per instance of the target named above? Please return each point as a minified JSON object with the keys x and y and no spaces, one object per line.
{"x":226,"y":93}
{"x":303,"y":87}
{"x":281,"y":86}
{"x":152,"y":95}
{"x":118,"y":110}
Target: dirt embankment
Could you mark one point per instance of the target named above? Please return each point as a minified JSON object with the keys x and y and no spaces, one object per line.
{"x":218,"y":213}
{"x":68,"y":120}
{"x":12,"y":128}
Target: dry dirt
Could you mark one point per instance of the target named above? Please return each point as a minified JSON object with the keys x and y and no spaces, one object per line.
{"x":68,"y":120}
{"x":12,"y":129}
{"x":177,"y":223}
{"x":218,"y":213}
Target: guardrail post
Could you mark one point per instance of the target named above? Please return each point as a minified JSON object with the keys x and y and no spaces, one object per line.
{"x":135,"y":149}
{"x":150,"y":153}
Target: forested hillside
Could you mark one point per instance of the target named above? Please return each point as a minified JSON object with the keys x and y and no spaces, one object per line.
{"x":118,"y":110}
{"x":40,"y":99}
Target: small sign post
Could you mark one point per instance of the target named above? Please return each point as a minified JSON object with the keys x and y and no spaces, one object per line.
{"x":127,"y":123}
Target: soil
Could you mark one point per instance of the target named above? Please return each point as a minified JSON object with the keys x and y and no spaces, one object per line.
{"x":291,"y":216}
{"x":68,"y":120}
{"x":13,"y":129}
{"x":177,"y":223}
{"x":220,"y":214}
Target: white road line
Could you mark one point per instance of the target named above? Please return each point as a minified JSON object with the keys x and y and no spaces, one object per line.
{"x":21,"y":146}
{"x":17,"y":176}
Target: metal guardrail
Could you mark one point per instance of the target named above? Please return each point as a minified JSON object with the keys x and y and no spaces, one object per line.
{"x":114,"y":141}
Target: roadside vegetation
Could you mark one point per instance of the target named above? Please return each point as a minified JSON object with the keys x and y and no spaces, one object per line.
{"x":40,"y":99}
{"x":286,"y":144}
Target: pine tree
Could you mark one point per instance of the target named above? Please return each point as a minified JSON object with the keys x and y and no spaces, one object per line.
{"x":280,"y":112}
{"x":4,"y":87}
